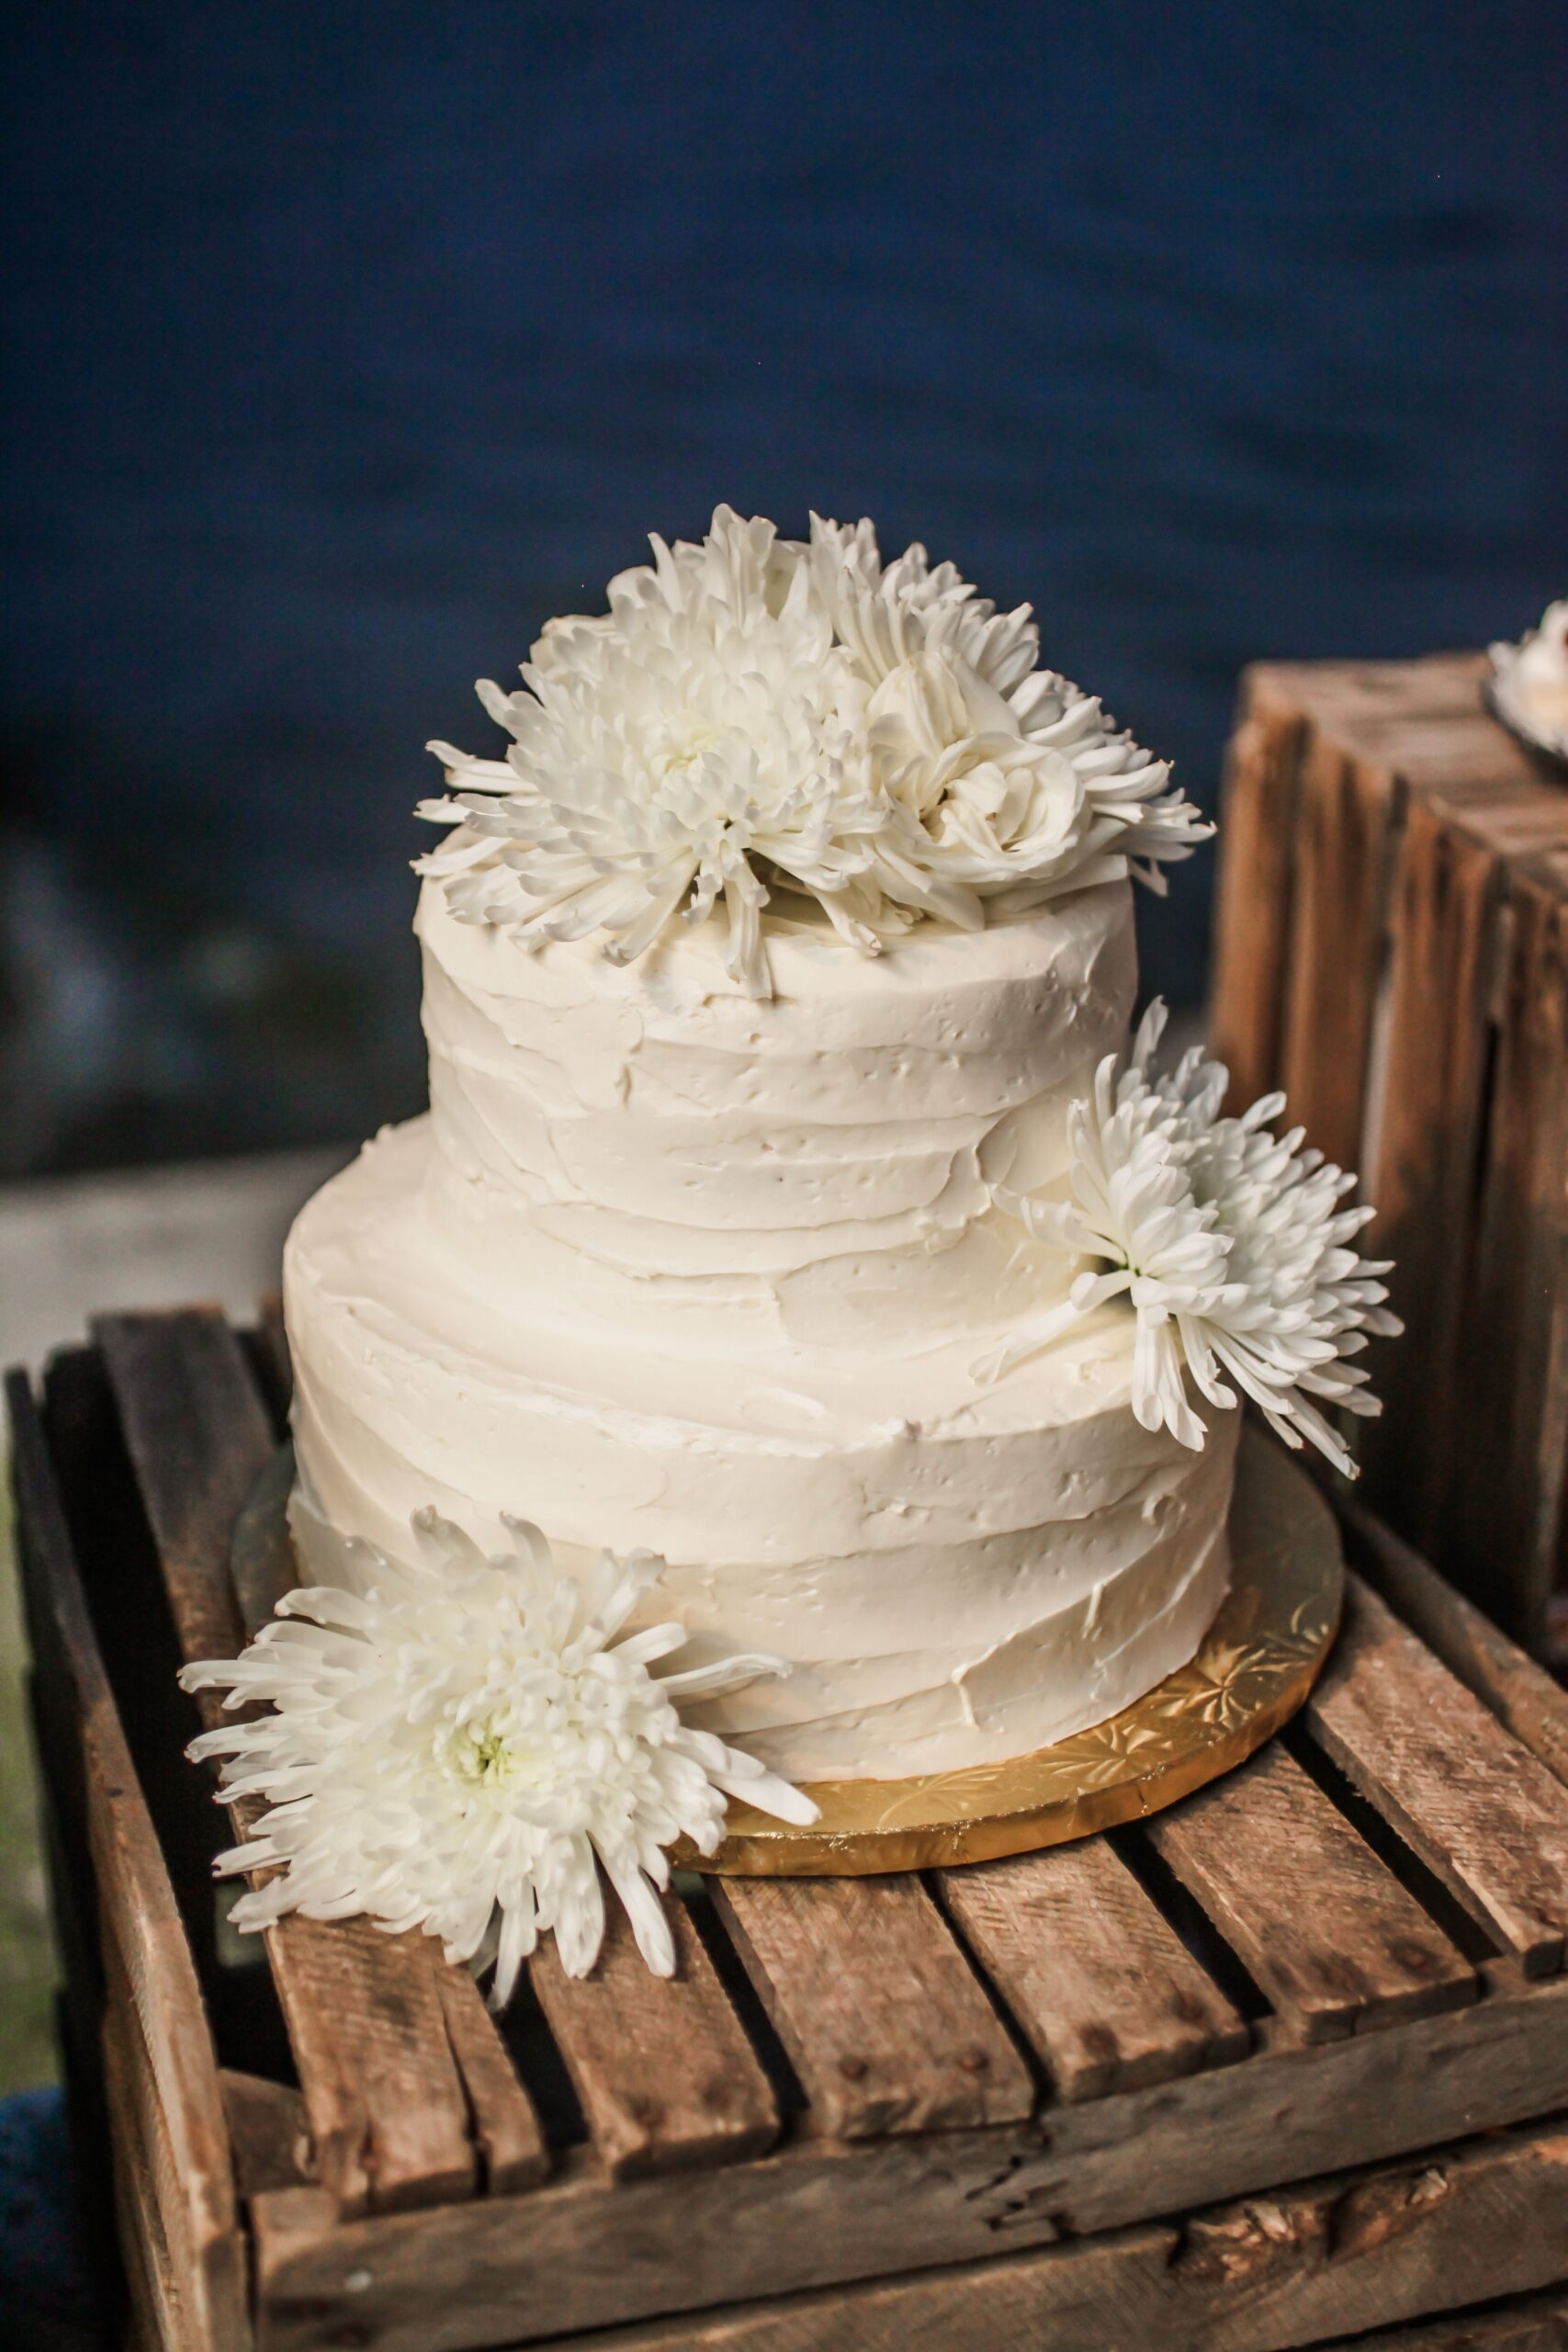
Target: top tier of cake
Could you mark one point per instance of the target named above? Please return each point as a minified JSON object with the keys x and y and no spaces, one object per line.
{"x":645,"y":1147}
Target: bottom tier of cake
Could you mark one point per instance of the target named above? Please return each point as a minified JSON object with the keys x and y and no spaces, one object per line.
{"x":955,"y":1574}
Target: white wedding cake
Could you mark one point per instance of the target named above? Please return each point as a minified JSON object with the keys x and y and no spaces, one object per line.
{"x":789,"y":1203}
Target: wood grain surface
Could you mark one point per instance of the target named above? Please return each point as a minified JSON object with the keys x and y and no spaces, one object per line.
{"x":1324,"y":2258}
{"x":1107,"y":1993}
{"x":878,"y":2008}
{"x":664,"y":2068}
{"x":1485,"y":1816}
{"x":1253,"y":889}
{"x":1328,"y":1934}
{"x":1523,"y":1697}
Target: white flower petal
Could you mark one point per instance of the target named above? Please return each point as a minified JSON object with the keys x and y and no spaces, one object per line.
{"x":1229,"y":1241}
{"x":452,"y":1742}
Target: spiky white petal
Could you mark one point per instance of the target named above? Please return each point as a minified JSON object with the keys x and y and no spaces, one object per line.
{"x":1229,"y":1243}
{"x":459,"y":1743}
{"x":755,"y":711}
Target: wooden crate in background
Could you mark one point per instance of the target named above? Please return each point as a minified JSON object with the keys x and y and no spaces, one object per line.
{"x":1392,"y":948}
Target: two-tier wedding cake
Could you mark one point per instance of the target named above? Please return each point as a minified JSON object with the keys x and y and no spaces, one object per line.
{"x":790,"y":1202}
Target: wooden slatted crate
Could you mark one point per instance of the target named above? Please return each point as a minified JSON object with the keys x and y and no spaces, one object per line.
{"x":1392,"y":948}
{"x":1317,"y":2013}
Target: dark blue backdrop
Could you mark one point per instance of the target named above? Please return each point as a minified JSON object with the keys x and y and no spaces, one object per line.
{"x":348,"y":342}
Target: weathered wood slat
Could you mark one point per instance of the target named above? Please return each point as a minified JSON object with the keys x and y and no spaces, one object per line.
{"x":198,"y":1435}
{"x":388,"y":2114}
{"x":664,"y":2068}
{"x":1506,"y":1491}
{"x":1482,"y":1813}
{"x":1326,"y":1932}
{"x":139,"y":1922}
{"x":1537,"y":2322}
{"x":161,"y":2317}
{"x":1447,"y":2227}
{"x":1522,"y":1695}
{"x":1421,"y":1146}
{"x":1331,"y":2254}
{"x":1107,"y":1993}
{"x":1253,"y":891}
{"x":510,"y":2135}
{"x":1349,"y":809}
{"x":882,"y":2016}
{"x":1523,"y":2324}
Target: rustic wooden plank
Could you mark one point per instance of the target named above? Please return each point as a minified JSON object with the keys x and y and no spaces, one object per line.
{"x":1325,"y":2259}
{"x":1523,"y":2324}
{"x":1349,"y":812}
{"x":1485,"y":1814}
{"x":956,"y":2316}
{"x":1420,"y":1157}
{"x":1525,"y":1699}
{"x":504,"y":2123}
{"x":817,"y":2212}
{"x":1242,"y":2279}
{"x":1253,"y":886}
{"x":198,"y":1435}
{"x":161,"y":2317}
{"x":663,"y":2068}
{"x":1502,"y":1533}
{"x":139,"y":1919}
{"x":1328,"y":1935}
{"x":1107,"y":1993}
{"x":880,"y":2012}
{"x":388,"y":2112}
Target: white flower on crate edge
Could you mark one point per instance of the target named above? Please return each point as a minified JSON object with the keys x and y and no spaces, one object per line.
{"x":878,"y":737}
{"x":1229,"y":1242}
{"x":454,"y":1743}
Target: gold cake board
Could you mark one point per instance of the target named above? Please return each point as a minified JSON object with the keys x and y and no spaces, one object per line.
{"x":1256,"y":1665}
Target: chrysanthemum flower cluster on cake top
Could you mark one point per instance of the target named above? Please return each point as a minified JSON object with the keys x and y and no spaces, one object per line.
{"x":758,"y":714}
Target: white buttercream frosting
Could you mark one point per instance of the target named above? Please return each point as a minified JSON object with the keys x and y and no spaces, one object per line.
{"x":666,"y":1265}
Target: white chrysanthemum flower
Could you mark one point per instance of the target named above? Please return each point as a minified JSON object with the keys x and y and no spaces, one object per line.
{"x":457,"y":1745}
{"x":757,"y":710}
{"x":1016,"y":782}
{"x":704,"y":727}
{"x":1229,"y":1243}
